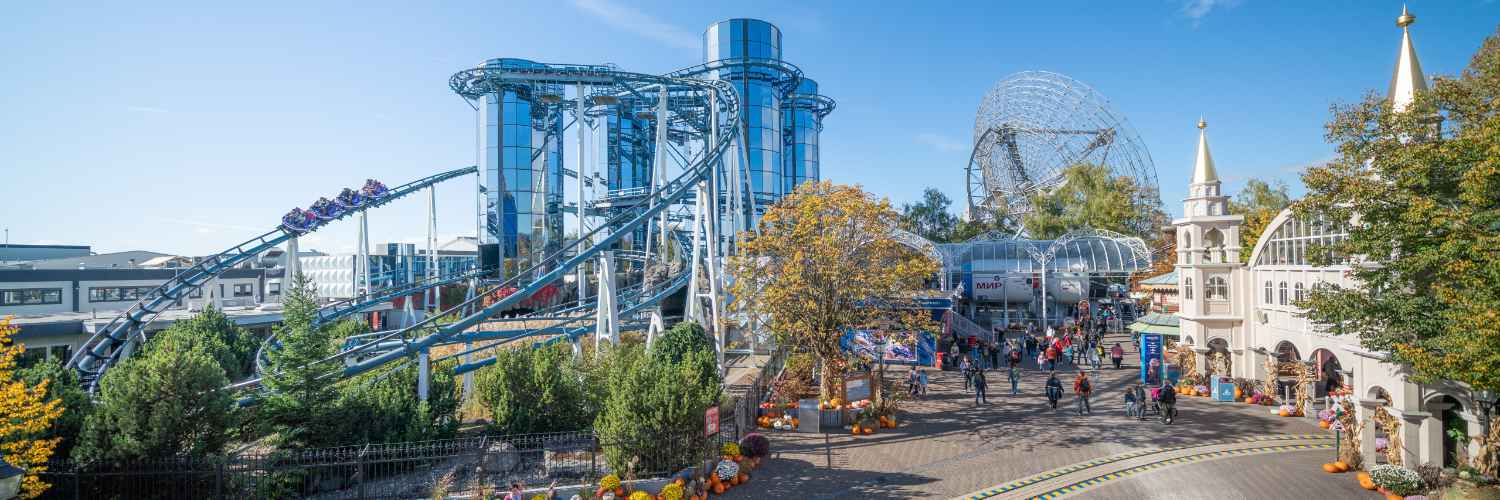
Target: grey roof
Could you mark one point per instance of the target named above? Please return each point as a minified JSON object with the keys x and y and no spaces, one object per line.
{"x":100,"y":261}
{"x":1164,"y":279}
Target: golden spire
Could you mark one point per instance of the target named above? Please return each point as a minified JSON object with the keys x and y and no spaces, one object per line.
{"x":1408,"y":79}
{"x":1203,"y":163}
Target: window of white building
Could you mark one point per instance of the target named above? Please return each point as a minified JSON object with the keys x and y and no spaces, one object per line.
{"x":1187,"y":288}
{"x":1283,"y":293}
{"x":1300,"y":294}
{"x":1218,"y":289}
{"x":1270,"y":296}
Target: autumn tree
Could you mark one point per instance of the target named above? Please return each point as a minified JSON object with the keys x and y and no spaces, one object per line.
{"x":26,"y":414}
{"x":1092,"y":197}
{"x":1259,"y":201}
{"x":823,"y":255}
{"x":1420,"y":188}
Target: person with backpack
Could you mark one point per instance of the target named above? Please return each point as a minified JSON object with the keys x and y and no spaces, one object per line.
{"x":1052,"y":358}
{"x":1054,"y":389}
{"x":1083,"y":388}
{"x":979,"y":387}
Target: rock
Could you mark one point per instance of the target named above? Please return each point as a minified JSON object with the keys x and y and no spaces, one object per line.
{"x":500,"y":458}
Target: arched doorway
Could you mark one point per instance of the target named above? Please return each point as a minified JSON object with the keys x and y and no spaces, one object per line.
{"x":1385,"y":428}
{"x":1449,"y":411}
{"x":1286,"y":352}
{"x":1219,"y":362}
{"x":1329,"y":372}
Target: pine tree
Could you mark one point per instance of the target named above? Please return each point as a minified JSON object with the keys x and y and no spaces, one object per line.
{"x":302,"y":404}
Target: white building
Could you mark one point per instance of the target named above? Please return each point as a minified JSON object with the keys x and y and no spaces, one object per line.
{"x":1249,"y":312}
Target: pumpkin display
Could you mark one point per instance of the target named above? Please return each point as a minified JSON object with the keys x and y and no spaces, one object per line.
{"x":640,"y":495}
{"x":1330,"y":468}
{"x":1341,"y":466}
{"x":1365,"y":481}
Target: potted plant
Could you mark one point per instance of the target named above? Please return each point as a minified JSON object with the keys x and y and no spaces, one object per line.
{"x":1396,"y":480}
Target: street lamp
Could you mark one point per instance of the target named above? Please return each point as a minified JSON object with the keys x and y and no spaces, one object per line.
{"x":10,"y":479}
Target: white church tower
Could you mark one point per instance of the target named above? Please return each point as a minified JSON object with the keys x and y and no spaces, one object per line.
{"x":1209,"y":271}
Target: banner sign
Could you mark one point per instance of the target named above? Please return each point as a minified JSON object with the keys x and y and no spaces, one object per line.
{"x":867,"y":345}
{"x":1151,"y":358}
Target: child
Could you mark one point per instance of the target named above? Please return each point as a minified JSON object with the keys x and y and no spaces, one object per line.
{"x":1131,"y":404}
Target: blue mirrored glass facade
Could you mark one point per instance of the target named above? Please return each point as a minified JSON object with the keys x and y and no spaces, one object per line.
{"x":521,"y":161}
{"x":743,"y":41}
{"x":801,"y":123}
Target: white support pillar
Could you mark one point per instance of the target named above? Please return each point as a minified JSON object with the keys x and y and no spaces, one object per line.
{"x":607,"y":318}
{"x":660,"y":179}
{"x":362,"y":256}
{"x":291,"y":266}
{"x":429,"y":298}
{"x":424,"y":373}
{"x":693,"y":308}
{"x":582,"y":177}
{"x":468,"y":382}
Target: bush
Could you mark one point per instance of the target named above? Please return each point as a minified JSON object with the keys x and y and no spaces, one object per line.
{"x":755,"y":445}
{"x":63,"y":385}
{"x":230,"y":345}
{"x":535,"y":390}
{"x":683,"y":338}
{"x":653,"y":415}
{"x":165,"y":402}
{"x":383,"y":407}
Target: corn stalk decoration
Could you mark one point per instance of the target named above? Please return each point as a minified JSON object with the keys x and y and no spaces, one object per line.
{"x":1349,"y":448}
{"x":1303,"y":392}
{"x":1392,"y":427}
{"x":1218,"y":364}
{"x":1268,"y":386}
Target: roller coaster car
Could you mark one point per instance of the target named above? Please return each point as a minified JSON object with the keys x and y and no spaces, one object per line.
{"x":373,"y":189}
{"x":349,"y":198}
{"x":325,"y":210}
{"x":295,"y":221}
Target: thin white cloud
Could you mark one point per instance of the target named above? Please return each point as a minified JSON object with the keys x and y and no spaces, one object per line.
{"x":146,"y":109}
{"x":635,"y":21}
{"x":206,"y":227}
{"x":1199,"y":9}
{"x":941,"y":143}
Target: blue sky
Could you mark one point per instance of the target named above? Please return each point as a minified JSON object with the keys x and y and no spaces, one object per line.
{"x":188,"y":127}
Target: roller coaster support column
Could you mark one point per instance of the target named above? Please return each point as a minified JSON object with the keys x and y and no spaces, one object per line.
{"x":362,"y":256}
{"x":583,"y":282}
{"x":468,"y":346}
{"x":430,"y":296}
{"x":424,"y":373}
{"x":290,"y":267}
{"x":607,"y":318}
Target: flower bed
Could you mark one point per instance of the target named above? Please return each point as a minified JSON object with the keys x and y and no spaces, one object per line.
{"x":1395,"y":479}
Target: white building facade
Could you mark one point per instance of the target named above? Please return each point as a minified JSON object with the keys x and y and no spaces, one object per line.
{"x":1250,"y":313}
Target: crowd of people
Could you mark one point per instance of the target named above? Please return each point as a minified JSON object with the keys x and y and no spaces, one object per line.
{"x":1072,"y":349}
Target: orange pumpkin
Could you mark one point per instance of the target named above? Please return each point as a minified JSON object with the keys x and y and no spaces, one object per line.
{"x":741,"y":478}
{"x":869,"y":431}
{"x":719,"y":488}
{"x":856,"y":429}
{"x":620,"y":492}
{"x":796,"y":422}
{"x":1330,"y":468}
{"x":1341,"y":466}
{"x":1238,"y":393}
{"x":1283,"y":413}
{"x":893,"y":422}
{"x":1323,"y":424}
{"x":1394,"y":497}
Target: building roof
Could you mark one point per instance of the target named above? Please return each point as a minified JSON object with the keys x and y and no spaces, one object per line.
{"x":1083,"y":250}
{"x":1157,"y":323}
{"x":1407,"y":79}
{"x":1203,"y":163}
{"x":1163,"y":279}
{"x":99,"y":261}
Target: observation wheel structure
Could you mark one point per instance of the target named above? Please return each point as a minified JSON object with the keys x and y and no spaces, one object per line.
{"x":1032,"y":126}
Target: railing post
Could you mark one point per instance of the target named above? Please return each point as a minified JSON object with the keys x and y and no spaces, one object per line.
{"x":359,"y":475}
{"x":219,"y":478}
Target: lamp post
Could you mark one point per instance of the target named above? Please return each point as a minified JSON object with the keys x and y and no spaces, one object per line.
{"x":10,"y":479}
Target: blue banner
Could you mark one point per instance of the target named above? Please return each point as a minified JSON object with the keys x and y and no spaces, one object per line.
{"x":864,"y":344}
{"x":1152,"y":363}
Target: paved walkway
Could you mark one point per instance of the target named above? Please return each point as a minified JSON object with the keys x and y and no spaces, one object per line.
{"x":949,"y":447}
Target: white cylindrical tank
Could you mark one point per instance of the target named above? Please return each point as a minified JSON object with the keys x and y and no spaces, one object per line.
{"x":1000,"y":287}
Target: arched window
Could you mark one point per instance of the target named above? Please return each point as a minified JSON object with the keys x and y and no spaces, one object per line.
{"x":1270,"y":297}
{"x":1187,"y":288}
{"x":1187,"y":239}
{"x":1283,"y":293}
{"x":1218,"y":289}
{"x":1300,"y":293}
{"x":1213,"y":245}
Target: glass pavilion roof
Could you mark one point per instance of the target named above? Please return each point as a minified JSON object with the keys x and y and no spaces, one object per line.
{"x":1088,"y":250}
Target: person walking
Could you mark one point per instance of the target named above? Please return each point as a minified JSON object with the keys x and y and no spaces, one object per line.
{"x":1116,"y":354}
{"x":1054,"y":389}
{"x":1052,"y":358}
{"x":963,"y":369}
{"x":1131,"y":403}
{"x":1015,"y":377}
{"x":922,"y":380}
{"x":1083,"y":388}
{"x":995,"y":354}
{"x":979,"y":387}
{"x":912,"y":382}
{"x":1096,"y":356}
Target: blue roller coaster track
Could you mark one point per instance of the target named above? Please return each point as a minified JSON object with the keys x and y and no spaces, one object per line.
{"x":111,"y":342}
{"x":382,"y":349}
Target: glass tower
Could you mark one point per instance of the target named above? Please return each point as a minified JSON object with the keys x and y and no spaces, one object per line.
{"x":801,"y":123}
{"x":521,"y":158}
{"x":745,"y":40}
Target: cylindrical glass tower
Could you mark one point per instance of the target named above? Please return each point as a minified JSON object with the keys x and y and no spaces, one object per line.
{"x":744,"y":40}
{"x":801,"y":123}
{"x":521,"y":159}
{"x":625,"y":151}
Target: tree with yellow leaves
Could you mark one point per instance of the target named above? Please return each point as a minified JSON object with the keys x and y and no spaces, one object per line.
{"x":25,"y":414}
{"x":823,"y":261}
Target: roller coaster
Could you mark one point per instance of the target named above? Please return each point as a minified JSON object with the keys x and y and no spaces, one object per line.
{"x":696,"y":213}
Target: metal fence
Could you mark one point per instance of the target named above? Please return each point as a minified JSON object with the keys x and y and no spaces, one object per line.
{"x":467,"y":465}
{"x":747,"y":408}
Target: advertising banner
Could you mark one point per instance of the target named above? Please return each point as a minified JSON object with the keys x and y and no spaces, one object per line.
{"x":866,"y":345}
{"x":1151,"y":359}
